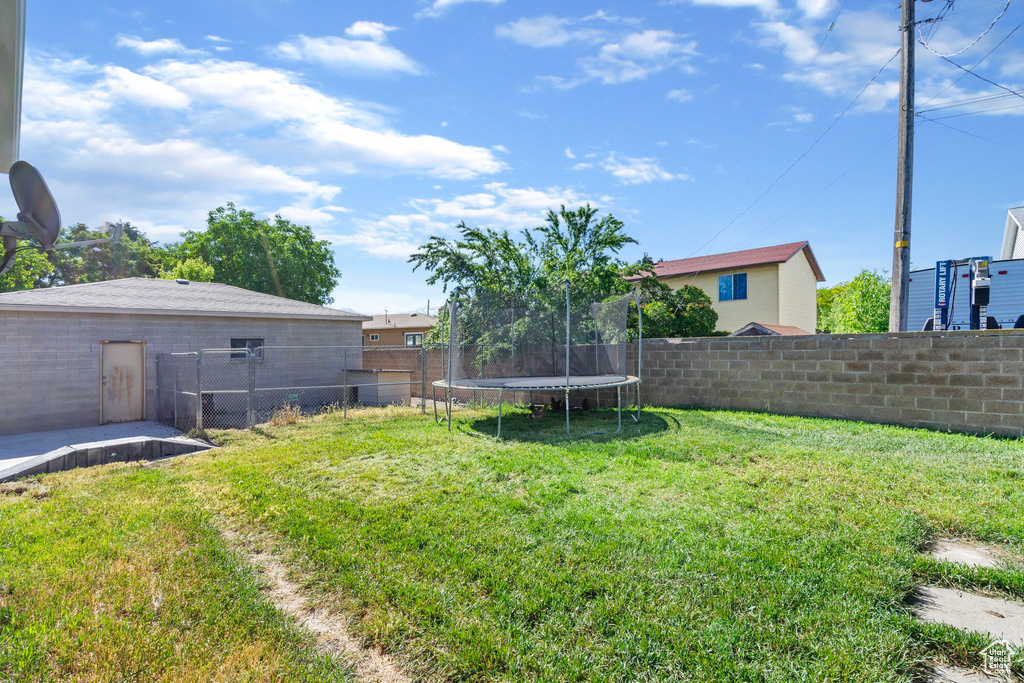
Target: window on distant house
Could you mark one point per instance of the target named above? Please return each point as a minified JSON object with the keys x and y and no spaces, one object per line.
{"x":253,"y":344}
{"x":374,"y":337}
{"x":413,"y":338}
{"x":732,"y":287}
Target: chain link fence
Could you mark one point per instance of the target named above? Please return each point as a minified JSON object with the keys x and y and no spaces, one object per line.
{"x":240,"y":388}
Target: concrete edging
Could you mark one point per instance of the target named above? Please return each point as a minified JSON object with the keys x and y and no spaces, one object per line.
{"x":130,"y":449}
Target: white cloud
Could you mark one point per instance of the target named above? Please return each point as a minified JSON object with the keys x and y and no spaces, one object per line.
{"x":216,"y":39}
{"x":370,"y":30}
{"x":305,"y":214}
{"x":107,"y":158}
{"x":439,"y":7}
{"x":679,"y":95}
{"x":369,"y":56}
{"x":496,"y":206}
{"x":623,"y":55}
{"x":150,"y":48}
{"x":767,"y":7}
{"x":546,"y":31}
{"x":637,"y":171}
{"x":569,"y":154}
{"x":141,"y":90}
{"x":338,"y":134}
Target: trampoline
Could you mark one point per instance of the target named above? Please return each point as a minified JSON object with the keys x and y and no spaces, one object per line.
{"x":547,"y":342}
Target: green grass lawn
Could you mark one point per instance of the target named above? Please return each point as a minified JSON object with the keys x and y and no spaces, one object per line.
{"x":697,"y":545}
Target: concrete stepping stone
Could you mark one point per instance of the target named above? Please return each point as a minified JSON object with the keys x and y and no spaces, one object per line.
{"x":964,"y":553}
{"x":971,"y":612}
{"x":954,"y":674}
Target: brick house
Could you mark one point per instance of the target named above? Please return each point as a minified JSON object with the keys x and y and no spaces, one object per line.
{"x":770,"y":285}
{"x":82,"y":355}
{"x":403,"y":329}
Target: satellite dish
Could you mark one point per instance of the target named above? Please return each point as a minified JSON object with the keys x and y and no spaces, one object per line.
{"x":38,"y":217}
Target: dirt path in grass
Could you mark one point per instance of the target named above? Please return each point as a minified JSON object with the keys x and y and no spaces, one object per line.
{"x":371,"y":665}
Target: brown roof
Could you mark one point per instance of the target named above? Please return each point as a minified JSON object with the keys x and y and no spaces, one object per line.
{"x":769,"y":328}
{"x":400,"y":321}
{"x":738,"y":259}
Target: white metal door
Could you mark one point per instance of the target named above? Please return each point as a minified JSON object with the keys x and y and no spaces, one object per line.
{"x":123,"y":381}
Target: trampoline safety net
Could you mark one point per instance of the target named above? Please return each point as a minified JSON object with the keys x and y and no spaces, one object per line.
{"x":556,"y":335}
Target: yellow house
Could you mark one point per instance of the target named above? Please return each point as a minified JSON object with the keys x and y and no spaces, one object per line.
{"x":771,"y":285}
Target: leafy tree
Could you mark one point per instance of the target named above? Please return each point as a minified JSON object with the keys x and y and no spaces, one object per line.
{"x":193,"y":270}
{"x":30,"y":265}
{"x":686,"y":312}
{"x":274,"y":257}
{"x":861,"y":305}
{"x":826,"y":297}
{"x":572,"y":244}
{"x":134,"y":256}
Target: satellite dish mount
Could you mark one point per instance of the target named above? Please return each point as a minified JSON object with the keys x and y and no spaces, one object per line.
{"x":38,"y":218}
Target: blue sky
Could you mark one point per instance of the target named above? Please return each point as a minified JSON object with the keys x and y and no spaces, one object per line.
{"x":380,"y":124}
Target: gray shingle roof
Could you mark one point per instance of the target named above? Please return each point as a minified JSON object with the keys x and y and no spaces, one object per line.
{"x":149,"y":296}
{"x":400,"y":321}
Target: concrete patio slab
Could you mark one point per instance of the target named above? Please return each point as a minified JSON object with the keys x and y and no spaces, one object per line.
{"x":963,"y":552}
{"x":26,"y":455}
{"x":954,"y":674}
{"x":19,"y":448}
{"x":971,"y":612}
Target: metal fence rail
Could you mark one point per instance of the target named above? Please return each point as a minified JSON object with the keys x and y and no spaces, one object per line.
{"x":239,"y":388}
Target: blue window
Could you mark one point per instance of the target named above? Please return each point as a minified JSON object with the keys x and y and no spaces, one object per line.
{"x":732,"y":287}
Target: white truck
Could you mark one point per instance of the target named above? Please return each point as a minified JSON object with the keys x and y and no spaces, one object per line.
{"x":1005,"y":295}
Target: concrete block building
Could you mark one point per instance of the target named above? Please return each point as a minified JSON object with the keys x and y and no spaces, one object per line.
{"x":83,"y":355}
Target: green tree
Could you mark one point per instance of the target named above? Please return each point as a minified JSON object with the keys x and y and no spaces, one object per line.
{"x":30,"y":265}
{"x":572,"y":244}
{"x":686,"y":312}
{"x":134,"y":256}
{"x":861,"y":305}
{"x":193,"y":270}
{"x":274,"y":257}
{"x":826,"y":297}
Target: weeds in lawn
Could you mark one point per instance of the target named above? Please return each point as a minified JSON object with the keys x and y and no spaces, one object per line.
{"x":286,"y":415}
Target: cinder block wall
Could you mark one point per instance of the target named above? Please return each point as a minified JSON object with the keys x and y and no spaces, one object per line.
{"x":960,"y":381}
{"x":50,"y":362}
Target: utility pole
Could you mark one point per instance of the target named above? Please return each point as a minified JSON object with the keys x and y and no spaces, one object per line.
{"x":904,"y":175}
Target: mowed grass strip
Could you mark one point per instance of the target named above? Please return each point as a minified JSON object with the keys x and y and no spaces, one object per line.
{"x":697,"y":545}
{"x":117,"y":574}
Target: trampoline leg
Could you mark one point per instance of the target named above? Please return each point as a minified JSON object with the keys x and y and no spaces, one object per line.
{"x":618,"y":396}
{"x":500,"y":401}
{"x":451,"y":396}
{"x":567,"y":411}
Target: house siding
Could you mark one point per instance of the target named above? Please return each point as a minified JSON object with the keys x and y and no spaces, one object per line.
{"x":798,"y":294}
{"x":391,"y":336}
{"x":1018,"y":245}
{"x":761,"y":304}
{"x":50,"y":362}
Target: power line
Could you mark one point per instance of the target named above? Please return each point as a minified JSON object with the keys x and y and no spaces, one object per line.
{"x":987,"y":80}
{"x":972,"y":113}
{"x":978,"y":99}
{"x":797,"y":161}
{"x":887,"y":138}
{"x":831,"y":26}
{"x":974,"y":42}
{"x":960,"y":130}
{"x":978,"y":63}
